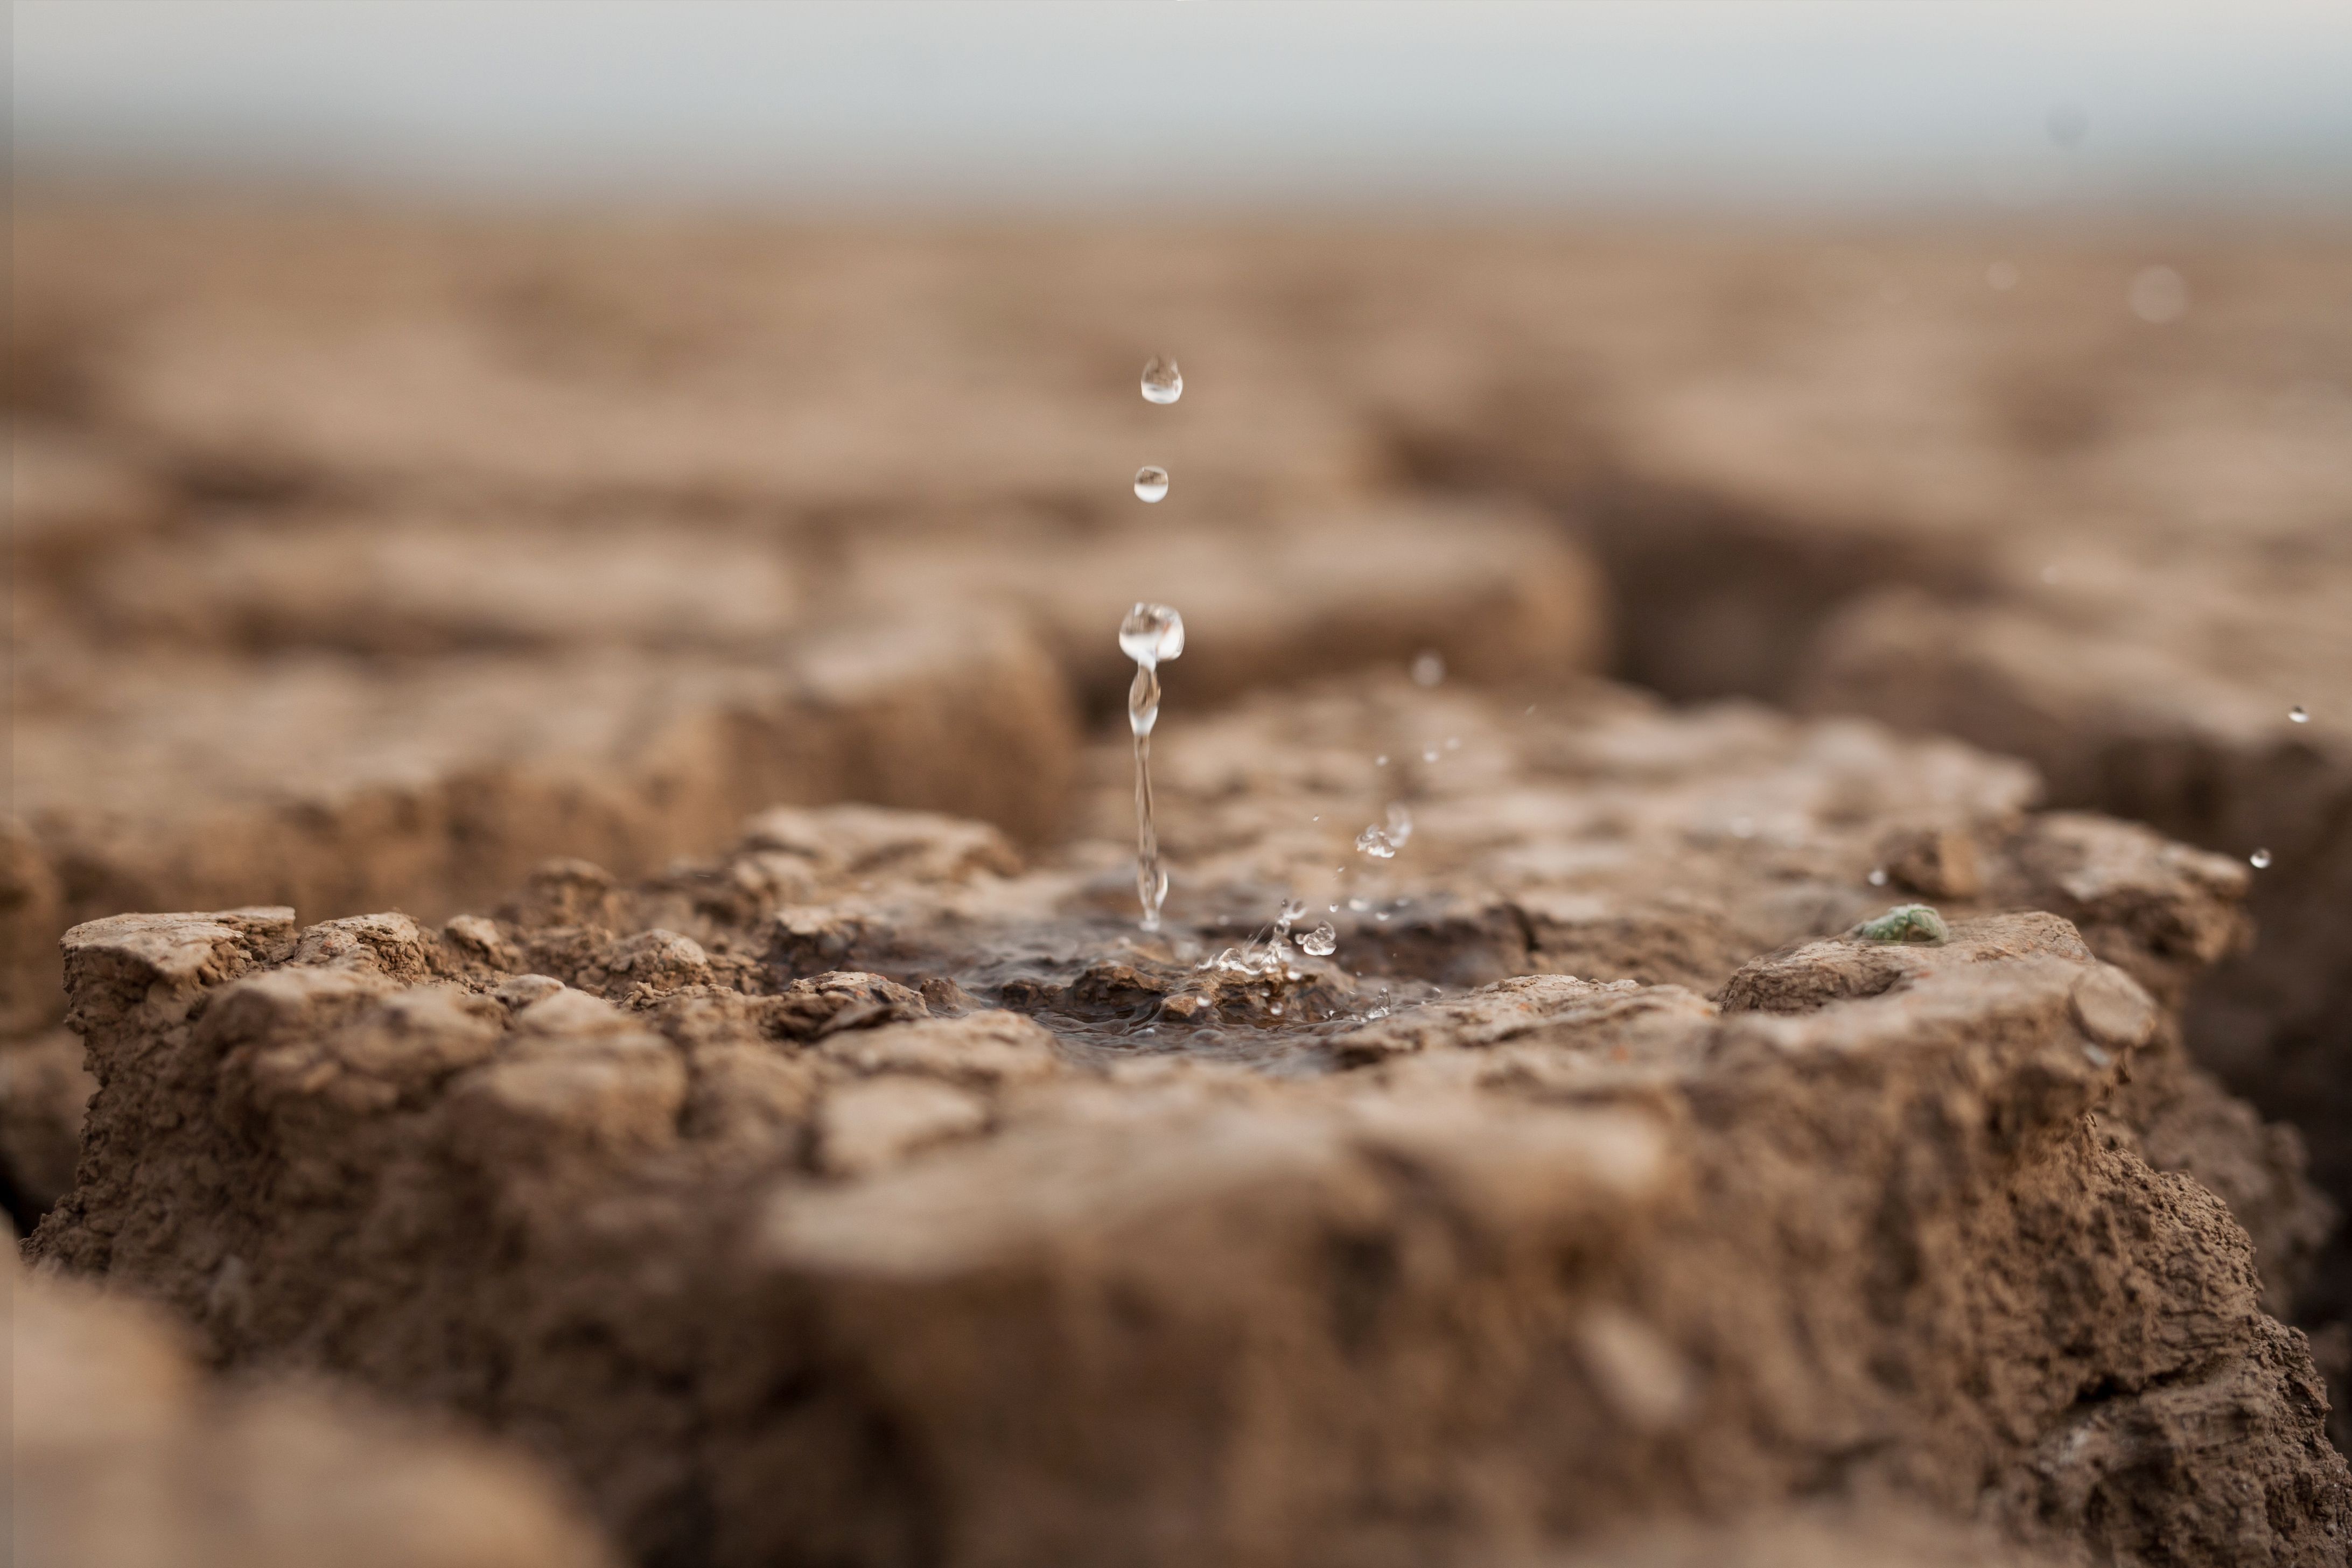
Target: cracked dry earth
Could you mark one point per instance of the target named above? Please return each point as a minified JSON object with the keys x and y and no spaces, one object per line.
{"x":870,"y":1195}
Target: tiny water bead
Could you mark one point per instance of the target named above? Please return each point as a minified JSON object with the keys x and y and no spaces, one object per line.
{"x":1162,"y":381}
{"x":1150,"y":483}
{"x":1428,"y":668}
{"x":1322,"y":942}
{"x":2298,"y":715}
{"x":1149,"y":633}
{"x":1877,"y":878}
{"x":2259,"y":859}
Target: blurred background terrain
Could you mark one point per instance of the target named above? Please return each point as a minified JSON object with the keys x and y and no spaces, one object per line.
{"x":445,"y":439}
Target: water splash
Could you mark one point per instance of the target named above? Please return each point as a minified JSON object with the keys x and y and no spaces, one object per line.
{"x":1151,"y":633}
{"x":1382,"y":841}
{"x":1150,"y":483}
{"x":1321,"y":942}
{"x":1162,"y":381}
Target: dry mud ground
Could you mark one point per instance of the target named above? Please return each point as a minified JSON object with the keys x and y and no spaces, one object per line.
{"x":818,"y":1195}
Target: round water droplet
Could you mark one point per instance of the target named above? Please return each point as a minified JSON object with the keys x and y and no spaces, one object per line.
{"x":1428,"y":668}
{"x":1321,"y":942}
{"x":1429,"y":754}
{"x":1162,"y":381}
{"x":2298,"y":715}
{"x":1151,"y":634}
{"x":1150,"y":483}
{"x":1359,"y":905}
{"x":2259,"y":859}
{"x":1877,"y":878}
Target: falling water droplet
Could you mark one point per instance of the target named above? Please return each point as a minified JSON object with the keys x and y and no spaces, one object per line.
{"x":1162,"y":381}
{"x":1149,"y":633}
{"x":1428,"y":668}
{"x":1429,"y":754}
{"x":2298,"y":715}
{"x":2259,"y":859}
{"x":1152,"y":633}
{"x":1359,"y":905}
{"x":1371,"y":841}
{"x":1150,"y":483}
{"x":1321,"y":942}
{"x":1877,"y":876}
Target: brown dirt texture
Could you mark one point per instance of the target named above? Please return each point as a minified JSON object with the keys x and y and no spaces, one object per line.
{"x":631,"y":701}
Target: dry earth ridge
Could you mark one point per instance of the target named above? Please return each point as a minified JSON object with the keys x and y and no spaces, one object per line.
{"x":732,"y":1194}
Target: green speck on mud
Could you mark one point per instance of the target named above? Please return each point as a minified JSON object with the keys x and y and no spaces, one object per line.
{"x":1906,"y":922}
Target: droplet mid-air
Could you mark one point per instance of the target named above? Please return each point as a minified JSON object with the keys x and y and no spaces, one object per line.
{"x":1150,"y":483}
{"x":1321,"y":942}
{"x":2259,"y":859}
{"x":1151,"y":634}
{"x":2298,"y":715}
{"x":1162,"y":381}
{"x":1383,"y":841}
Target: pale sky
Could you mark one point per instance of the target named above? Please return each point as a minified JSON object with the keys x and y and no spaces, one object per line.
{"x":1281,"y":103}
